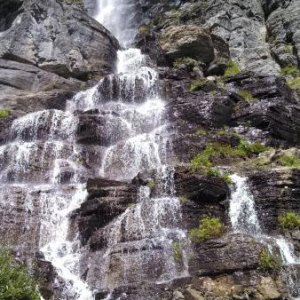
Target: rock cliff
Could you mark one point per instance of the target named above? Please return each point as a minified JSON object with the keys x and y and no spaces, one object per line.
{"x":228,"y":73}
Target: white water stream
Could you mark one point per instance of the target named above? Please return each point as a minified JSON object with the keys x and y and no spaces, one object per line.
{"x":244,"y":218}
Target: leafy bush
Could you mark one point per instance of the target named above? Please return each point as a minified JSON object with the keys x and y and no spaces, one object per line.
{"x":289,"y":161}
{"x":246,"y":95}
{"x":294,"y":84}
{"x":4,"y":113}
{"x":289,"y":220}
{"x":203,"y":162}
{"x":209,"y":227}
{"x":290,"y":71}
{"x":197,"y":85}
{"x":188,"y":61}
{"x":177,"y":251}
{"x":232,"y":68}
{"x":201,"y":132}
{"x":183,"y":199}
{"x":268,"y":262}
{"x":151,"y":184}
{"x":15,"y":282}
{"x":293,"y":77}
{"x":144,"y":29}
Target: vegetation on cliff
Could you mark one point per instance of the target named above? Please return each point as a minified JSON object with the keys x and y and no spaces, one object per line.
{"x":209,"y":227}
{"x":15,"y":282}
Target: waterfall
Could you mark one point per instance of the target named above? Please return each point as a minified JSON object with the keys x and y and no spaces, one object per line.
{"x":244,"y":218}
{"x":242,"y":212}
{"x":139,"y":144}
{"x":119,"y":17}
{"x":42,"y":165}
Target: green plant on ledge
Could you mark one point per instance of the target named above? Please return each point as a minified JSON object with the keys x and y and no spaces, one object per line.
{"x":289,"y":161}
{"x":4,"y":113}
{"x":247,"y":95}
{"x":151,"y":184}
{"x":143,"y":29}
{"x":232,"y":69}
{"x":15,"y":282}
{"x":289,"y":221}
{"x":209,"y":227}
{"x":188,"y":61}
{"x":198,"y":84}
{"x":203,"y":162}
{"x":292,"y":75}
{"x":177,"y":251}
{"x":268,"y":262}
{"x":290,"y":71}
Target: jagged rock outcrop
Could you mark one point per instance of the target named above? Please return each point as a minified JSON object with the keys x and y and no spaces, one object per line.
{"x":107,"y":199}
{"x":275,"y":192}
{"x":48,"y":47}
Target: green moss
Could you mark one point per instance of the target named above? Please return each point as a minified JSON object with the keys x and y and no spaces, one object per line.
{"x":188,"y":61}
{"x":289,"y":48}
{"x":268,"y":262}
{"x":294,"y":84}
{"x":203,"y":162}
{"x":289,"y":220}
{"x":289,"y":161}
{"x":15,"y":282}
{"x":151,"y":184}
{"x":197,"y":85}
{"x":143,"y":29}
{"x":177,"y":251}
{"x":290,"y":71}
{"x":201,"y":132}
{"x":247,"y":95}
{"x":232,"y":68}
{"x":183,"y":199}
{"x":4,"y":113}
{"x":209,"y":227}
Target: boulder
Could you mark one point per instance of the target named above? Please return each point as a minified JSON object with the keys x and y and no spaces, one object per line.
{"x":187,"y":41}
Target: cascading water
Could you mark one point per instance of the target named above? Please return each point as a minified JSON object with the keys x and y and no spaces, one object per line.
{"x":119,"y":17}
{"x":244,"y":219}
{"x":42,"y":164}
{"x":135,"y":119}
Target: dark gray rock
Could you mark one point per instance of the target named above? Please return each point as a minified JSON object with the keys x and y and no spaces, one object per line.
{"x":225,"y":255}
{"x":59,"y":38}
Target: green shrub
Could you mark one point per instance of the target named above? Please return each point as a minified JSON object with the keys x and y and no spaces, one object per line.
{"x":15,"y":282}
{"x":177,"y":251}
{"x":268,"y":262}
{"x":4,"y":113}
{"x":183,"y":199}
{"x":294,"y":84}
{"x":289,"y":161}
{"x":151,"y":184}
{"x":232,"y":68}
{"x":203,"y":162}
{"x":246,"y":95}
{"x":197,"y":85}
{"x":201,"y":132}
{"x":143,"y":29}
{"x":290,"y":71}
{"x":289,"y":220}
{"x":252,"y":148}
{"x":188,"y":61}
{"x":209,"y":227}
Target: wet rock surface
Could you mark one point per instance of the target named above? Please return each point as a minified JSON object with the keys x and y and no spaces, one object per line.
{"x":51,"y":50}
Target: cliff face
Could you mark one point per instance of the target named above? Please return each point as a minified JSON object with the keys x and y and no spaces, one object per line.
{"x":228,"y":73}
